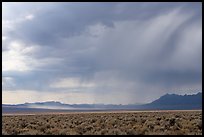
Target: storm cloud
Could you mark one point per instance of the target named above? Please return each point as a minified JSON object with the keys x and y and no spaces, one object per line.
{"x":116,"y":53}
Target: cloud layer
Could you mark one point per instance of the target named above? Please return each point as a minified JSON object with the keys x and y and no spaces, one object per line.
{"x":100,"y":52}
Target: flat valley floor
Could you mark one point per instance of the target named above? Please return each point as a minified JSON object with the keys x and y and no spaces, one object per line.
{"x":105,"y":123}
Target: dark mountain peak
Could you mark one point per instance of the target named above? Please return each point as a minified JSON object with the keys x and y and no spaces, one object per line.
{"x":199,"y":93}
{"x":174,"y":99}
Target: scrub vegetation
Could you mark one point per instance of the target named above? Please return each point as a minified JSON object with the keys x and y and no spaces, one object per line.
{"x":105,"y":123}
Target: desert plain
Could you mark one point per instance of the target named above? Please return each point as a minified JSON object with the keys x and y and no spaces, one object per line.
{"x":104,"y":123}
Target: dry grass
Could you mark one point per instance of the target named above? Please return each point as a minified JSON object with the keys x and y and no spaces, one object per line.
{"x":130,"y":123}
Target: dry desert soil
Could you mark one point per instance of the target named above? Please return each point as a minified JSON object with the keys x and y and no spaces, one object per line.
{"x":105,"y":123}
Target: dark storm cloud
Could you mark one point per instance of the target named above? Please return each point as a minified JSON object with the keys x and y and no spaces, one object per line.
{"x":69,"y":19}
{"x":131,"y":46}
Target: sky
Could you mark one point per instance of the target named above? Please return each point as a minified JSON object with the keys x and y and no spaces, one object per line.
{"x":110,"y":53}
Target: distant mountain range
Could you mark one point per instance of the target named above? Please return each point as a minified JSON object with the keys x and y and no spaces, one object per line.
{"x":166,"y":102}
{"x":174,"y":101}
